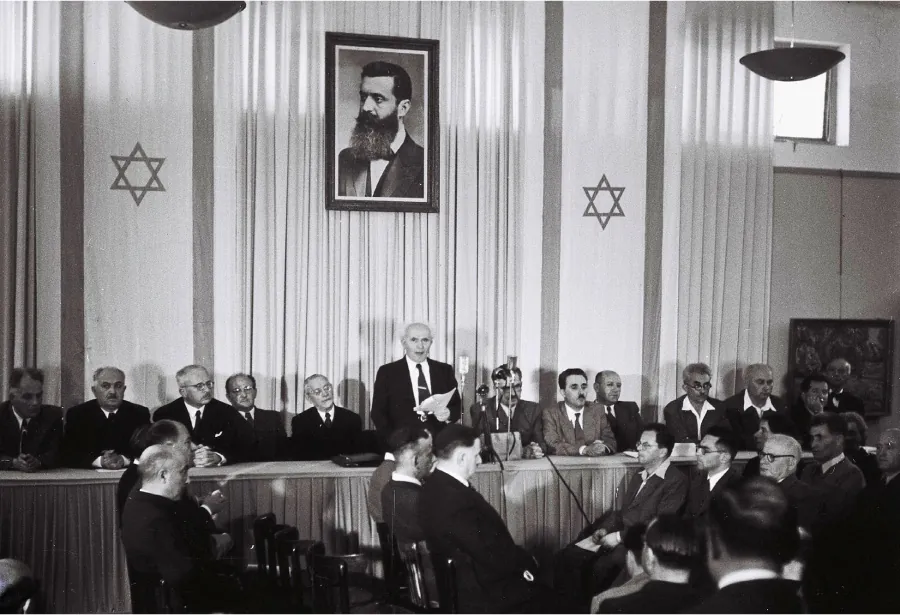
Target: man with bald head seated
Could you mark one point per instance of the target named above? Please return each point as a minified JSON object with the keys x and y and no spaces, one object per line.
{"x":624,"y":417}
{"x":526,"y":415}
{"x":751,"y":533}
{"x":690,"y":416}
{"x":221,"y":434}
{"x":839,"y":399}
{"x":267,"y":426}
{"x":748,"y":407}
{"x":98,"y":432}
{"x":18,"y":587}
{"x":30,"y":431}
{"x":402,"y":386}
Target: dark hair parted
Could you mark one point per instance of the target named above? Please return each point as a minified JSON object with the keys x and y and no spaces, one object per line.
{"x":836,"y":425}
{"x":453,"y":437}
{"x":402,"y":89}
{"x":15,"y":378}
{"x":664,"y":438}
{"x":673,"y":541}
{"x":725,"y":439}
{"x":406,"y":437}
{"x":572,"y":371}
{"x":779,"y":423}
{"x":813,"y":377}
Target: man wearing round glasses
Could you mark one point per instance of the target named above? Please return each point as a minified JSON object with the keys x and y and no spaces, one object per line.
{"x":714,"y":458}
{"x":526,"y":415}
{"x":778,"y":461}
{"x":690,"y":416}
{"x":325,"y":430}
{"x":217,"y":428}
{"x":267,"y":426}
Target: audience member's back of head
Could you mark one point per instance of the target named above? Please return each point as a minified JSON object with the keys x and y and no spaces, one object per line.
{"x":754,"y":521}
{"x":673,"y":540}
{"x":836,"y":425}
{"x":159,"y":457}
{"x":164,"y":431}
{"x":406,"y":437}
{"x":726,"y":438}
{"x":779,"y":423}
{"x":453,"y":437}
{"x":18,"y":587}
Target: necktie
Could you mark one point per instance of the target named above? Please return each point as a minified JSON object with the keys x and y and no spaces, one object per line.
{"x":249,"y":417}
{"x":424,"y":393}
{"x":197,"y":416}
{"x":22,"y":436}
{"x":327,"y":419}
{"x":503,"y":419}
{"x":579,"y":432}
{"x":611,"y":417}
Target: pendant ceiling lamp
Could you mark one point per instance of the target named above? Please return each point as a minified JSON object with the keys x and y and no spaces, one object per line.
{"x":792,"y":63}
{"x":188,"y":15}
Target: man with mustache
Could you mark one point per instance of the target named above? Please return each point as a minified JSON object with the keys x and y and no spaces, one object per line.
{"x":573,"y":427}
{"x":98,"y":432}
{"x":382,"y":160}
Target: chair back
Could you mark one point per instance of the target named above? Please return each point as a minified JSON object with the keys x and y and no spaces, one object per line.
{"x":263,"y":527}
{"x":281,"y":549}
{"x":448,"y":591}
{"x":420,"y":574}
{"x":151,"y":594}
{"x":395,"y":577}
{"x":330,"y":584}
{"x":300,"y":553}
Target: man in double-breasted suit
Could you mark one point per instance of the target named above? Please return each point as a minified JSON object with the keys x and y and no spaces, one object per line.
{"x":526,"y":415}
{"x":220,"y":431}
{"x":658,"y":489}
{"x":267,"y":426}
{"x":624,"y":417}
{"x":402,"y":386}
{"x":98,"y":432}
{"x":30,"y":432}
{"x":325,"y":430}
{"x":574,"y":427}
{"x":690,"y":416}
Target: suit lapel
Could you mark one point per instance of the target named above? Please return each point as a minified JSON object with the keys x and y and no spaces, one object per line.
{"x":650,"y":487}
{"x":408,"y":388}
{"x":568,"y":428}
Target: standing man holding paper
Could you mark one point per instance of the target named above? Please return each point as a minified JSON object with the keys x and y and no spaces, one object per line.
{"x":403,"y":388}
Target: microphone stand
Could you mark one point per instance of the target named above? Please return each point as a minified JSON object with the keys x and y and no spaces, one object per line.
{"x":486,"y":430}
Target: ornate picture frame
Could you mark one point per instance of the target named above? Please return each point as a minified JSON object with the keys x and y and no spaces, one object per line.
{"x":382,"y":132}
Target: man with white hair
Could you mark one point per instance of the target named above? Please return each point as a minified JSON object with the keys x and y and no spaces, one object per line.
{"x":98,"y":432}
{"x":778,"y":461}
{"x":748,"y":407}
{"x":403,"y":386}
{"x":840,"y":400}
{"x":690,"y":416}
{"x":325,"y":430}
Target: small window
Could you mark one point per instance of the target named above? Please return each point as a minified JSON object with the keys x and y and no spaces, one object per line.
{"x":806,"y":110}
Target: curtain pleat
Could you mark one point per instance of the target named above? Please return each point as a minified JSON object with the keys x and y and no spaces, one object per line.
{"x":301,"y":290}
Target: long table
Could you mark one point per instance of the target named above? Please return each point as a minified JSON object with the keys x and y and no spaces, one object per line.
{"x":64,"y":523}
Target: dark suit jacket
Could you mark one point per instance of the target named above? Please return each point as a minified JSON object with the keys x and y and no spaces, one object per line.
{"x":89,"y":432}
{"x":842,"y":484}
{"x":404,"y":176}
{"x":559,"y":432}
{"x":683,"y":425}
{"x":400,"y":504}
{"x":745,"y":421}
{"x":458,"y":522}
{"x":627,"y":425}
{"x":310,"y":439}
{"x":808,"y":501}
{"x":380,"y":478}
{"x":845,"y":402}
{"x":699,"y":495}
{"x":867,"y":464}
{"x":221,"y":428}
{"x":42,"y":438}
{"x":393,"y":399}
{"x":761,"y":596}
{"x":659,"y":496}
{"x":526,"y":420}
{"x":270,"y":439}
{"x":655,"y":597}
{"x":802,"y":419}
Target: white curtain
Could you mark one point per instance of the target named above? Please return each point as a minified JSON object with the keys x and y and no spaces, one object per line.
{"x":301,"y":290}
{"x":718,"y":194}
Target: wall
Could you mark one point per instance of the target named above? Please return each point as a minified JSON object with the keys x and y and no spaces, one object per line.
{"x":872,"y":30}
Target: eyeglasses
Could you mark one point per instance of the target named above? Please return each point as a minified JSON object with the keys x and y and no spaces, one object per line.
{"x":325,"y":389}
{"x":699,"y":387}
{"x":769,"y":457}
{"x":643,"y":445}
{"x":706,"y":451}
{"x":208,"y":385}
{"x":241,"y":390}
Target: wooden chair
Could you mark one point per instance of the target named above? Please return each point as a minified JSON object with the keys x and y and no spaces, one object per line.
{"x":395,"y":578}
{"x":448,"y":591}
{"x":330,"y":584}
{"x":293,"y":565}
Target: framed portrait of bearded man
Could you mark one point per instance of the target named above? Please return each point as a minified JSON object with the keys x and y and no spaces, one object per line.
{"x":381,"y":123}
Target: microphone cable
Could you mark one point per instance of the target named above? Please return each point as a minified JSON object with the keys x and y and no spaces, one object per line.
{"x":572,"y":493}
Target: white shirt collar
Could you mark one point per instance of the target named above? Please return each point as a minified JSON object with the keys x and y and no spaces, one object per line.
{"x":750,"y":574}
{"x":389,"y":457}
{"x":18,"y":418}
{"x":192,"y":410}
{"x":659,"y":471}
{"x":399,"y":138}
{"x":714,"y":478}
{"x":832,"y":462}
{"x":322,"y":413}
{"x":766,"y":406}
{"x":450,"y":472}
{"x":403,"y":478}
{"x":414,"y":376}
{"x":688,"y":407}
{"x":571,"y":412}
{"x":412,"y":364}
{"x":243,"y":413}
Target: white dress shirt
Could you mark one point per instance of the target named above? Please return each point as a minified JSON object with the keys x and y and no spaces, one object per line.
{"x":714,"y":478}
{"x":414,"y":377}
{"x":686,"y":406}
{"x":750,"y":574}
{"x":450,"y":472}
{"x":832,"y":462}
{"x":322,"y":413}
{"x":192,"y":413}
{"x":766,"y":406}
{"x":403,"y":478}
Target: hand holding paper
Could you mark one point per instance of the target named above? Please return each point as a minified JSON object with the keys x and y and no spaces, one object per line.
{"x":436,"y":405}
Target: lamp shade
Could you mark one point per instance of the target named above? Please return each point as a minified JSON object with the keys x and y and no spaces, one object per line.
{"x":188,"y":15}
{"x":792,"y":63}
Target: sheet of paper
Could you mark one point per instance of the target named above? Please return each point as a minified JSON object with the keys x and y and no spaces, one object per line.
{"x":632,"y":454}
{"x":588,"y":544}
{"x":435,"y":402}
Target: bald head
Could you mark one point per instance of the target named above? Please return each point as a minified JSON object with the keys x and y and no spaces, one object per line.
{"x":759,"y":382}
{"x":608,"y":386}
{"x":838,"y":372}
{"x":164,"y":470}
{"x":780,"y":456}
{"x":417,"y":341}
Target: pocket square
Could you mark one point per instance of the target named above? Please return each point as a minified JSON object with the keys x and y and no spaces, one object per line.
{"x":218,"y":434}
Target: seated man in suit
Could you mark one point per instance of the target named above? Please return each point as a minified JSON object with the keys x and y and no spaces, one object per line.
{"x":779,"y":459}
{"x":624,"y":417}
{"x":690,"y":416}
{"x":158,"y":542}
{"x":402,"y":386}
{"x":839,"y":400}
{"x":573,"y":427}
{"x":98,"y":432}
{"x":30,"y":432}
{"x":379,"y":480}
{"x":18,"y":587}
{"x":325,"y":430}
{"x":833,"y":472}
{"x":714,"y":458}
{"x":494,"y":575}
{"x":269,"y":437}
{"x":412,"y":447}
{"x":751,"y":533}
{"x":658,"y":489}
{"x":526,"y":415}
{"x":814,"y":390}
{"x":854,"y":440}
{"x":219,"y":431}
{"x":671,"y":551}
{"x":747,"y":408}
{"x":768,"y":425}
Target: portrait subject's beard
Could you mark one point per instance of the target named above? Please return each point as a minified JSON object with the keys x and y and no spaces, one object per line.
{"x":371,"y":137}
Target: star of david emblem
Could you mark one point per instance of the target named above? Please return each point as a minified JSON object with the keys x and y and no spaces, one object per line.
{"x":152,"y":184}
{"x":591,"y":211}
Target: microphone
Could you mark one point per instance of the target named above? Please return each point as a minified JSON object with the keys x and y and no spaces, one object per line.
{"x":569,"y":489}
{"x":462,"y":365}
{"x":511,"y":361}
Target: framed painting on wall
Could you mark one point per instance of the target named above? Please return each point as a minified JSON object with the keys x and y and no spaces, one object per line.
{"x":381,"y":123}
{"x":866,"y":344}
